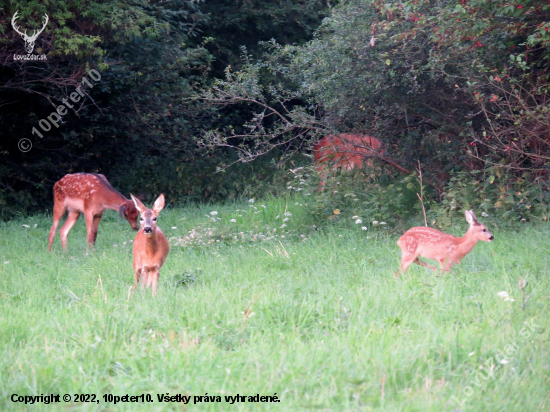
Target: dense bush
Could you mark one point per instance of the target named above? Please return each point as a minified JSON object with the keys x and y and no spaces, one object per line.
{"x":361,"y":197}
{"x":137,"y":125}
{"x":457,"y":86}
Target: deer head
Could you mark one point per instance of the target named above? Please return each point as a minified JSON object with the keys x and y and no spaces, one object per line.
{"x":129,"y":212}
{"x":29,"y":40}
{"x":148,"y":219}
{"x":477,"y":230}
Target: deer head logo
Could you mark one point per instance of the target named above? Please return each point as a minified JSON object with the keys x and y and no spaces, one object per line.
{"x":29,"y":40}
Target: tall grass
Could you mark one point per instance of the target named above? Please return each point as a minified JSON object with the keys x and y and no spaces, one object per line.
{"x":315,"y":316}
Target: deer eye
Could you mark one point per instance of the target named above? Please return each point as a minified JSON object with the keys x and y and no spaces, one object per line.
{"x":485,"y":230}
{"x":154,"y":219}
{"x":141,"y":219}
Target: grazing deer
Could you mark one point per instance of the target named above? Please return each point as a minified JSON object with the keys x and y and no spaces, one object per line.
{"x":345,"y":151}
{"x":446,"y":249}
{"x":90,"y":194}
{"x":150,"y":245}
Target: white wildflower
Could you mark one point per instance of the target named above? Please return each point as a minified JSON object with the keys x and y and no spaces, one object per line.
{"x":283,"y":225}
{"x":286,"y":219}
{"x":264,"y":206}
{"x":374,"y":222}
{"x":25,"y":225}
{"x":251,"y":201}
{"x":288,"y":214}
{"x":355,"y":217}
{"x":233,"y":220}
{"x":471,"y":354}
{"x":363,"y":228}
{"x":174,"y":227}
{"x":358,"y":221}
{"x":382,"y":223}
{"x":277,"y":217}
{"x":36,"y":225}
{"x":504,"y":295}
{"x":484,"y":214}
{"x":214,"y":213}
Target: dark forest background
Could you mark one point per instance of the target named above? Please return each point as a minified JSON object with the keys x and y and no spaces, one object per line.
{"x":456,"y":89}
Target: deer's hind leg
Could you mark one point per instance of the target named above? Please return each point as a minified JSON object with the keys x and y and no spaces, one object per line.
{"x":69,"y":223}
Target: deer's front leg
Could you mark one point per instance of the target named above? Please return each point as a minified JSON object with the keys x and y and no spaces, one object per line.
{"x":137,"y":275}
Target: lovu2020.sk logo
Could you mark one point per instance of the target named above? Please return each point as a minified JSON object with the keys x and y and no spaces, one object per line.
{"x":29,"y":40}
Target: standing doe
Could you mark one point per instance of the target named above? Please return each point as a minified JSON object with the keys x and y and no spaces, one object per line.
{"x":150,"y":245}
{"x":90,"y":194}
{"x":446,"y":249}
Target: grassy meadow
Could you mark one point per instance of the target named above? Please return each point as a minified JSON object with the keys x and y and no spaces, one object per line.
{"x":315,"y":317}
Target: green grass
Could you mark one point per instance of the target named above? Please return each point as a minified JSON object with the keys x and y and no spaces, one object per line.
{"x":329,"y":327}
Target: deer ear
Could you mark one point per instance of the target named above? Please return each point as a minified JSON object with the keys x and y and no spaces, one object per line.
{"x":470,"y":217}
{"x":139,"y":205}
{"x":159,"y":204}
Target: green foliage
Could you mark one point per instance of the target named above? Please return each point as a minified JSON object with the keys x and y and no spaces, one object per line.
{"x":501,"y":198}
{"x":357,"y":198}
{"x":360,"y":198}
{"x":236,"y":24}
{"x":137,"y":125}
{"x":456,"y":86}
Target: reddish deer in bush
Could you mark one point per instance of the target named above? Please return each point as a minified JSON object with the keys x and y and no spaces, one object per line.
{"x":150,"y":245}
{"x":446,"y":249}
{"x":90,"y":194}
{"x":345,"y":151}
